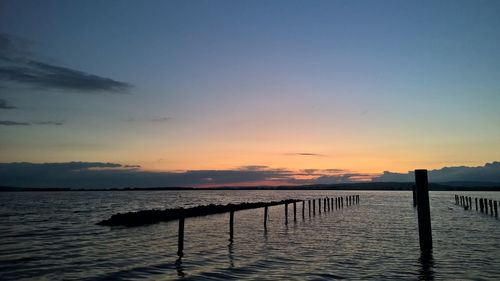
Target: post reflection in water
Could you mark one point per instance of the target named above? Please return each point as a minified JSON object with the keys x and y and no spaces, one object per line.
{"x":426,"y":271}
{"x":179,"y":268}
{"x":230,"y":252}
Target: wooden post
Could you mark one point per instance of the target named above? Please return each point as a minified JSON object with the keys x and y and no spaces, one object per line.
{"x":303,"y":210}
{"x":496,"y":208}
{"x":414,"y":195}
{"x":286,"y":214}
{"x":470,"y":203}
{"x":265,"y":217}
{"x":231,"y":226}
{"x":314,"y":207}
{"x":319,"y":205}
{"x":324,"y":205}
{"x":485,"y":205}
{"x":309,"y":207}
{"x":476,"y":202}
{"x":491,"y":207}
{"x":481,"y":205}
{"x":294,"y":211}
{"x":424,"y":214}
{"x":180,"y":243}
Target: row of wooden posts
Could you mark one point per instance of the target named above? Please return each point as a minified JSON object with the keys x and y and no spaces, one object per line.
{"x":329,"y":204}
{"x":481,"y":204}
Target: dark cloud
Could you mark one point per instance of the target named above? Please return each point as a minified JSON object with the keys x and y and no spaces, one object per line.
{"x":109,"y":175}
{"x":5,"y":105}
{"x":13,"y":123}
{"x":20,"y":68}
{"x":490,"y":172}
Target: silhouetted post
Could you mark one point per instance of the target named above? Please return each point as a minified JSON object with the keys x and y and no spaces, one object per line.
{"x":325,"y":204}
{"x":319,"y":205}
{"x":476,"y":202}
{"x":265,"y":217}
{"x":496,"y":208}
{"x":491,"y":207}
{"x":294,"y":211}
{"x":342,"y":202}
{"x":303,"y":210}
{"x":414,"y":195}
{"x":485,"y":205}
{"x":231,"y":226}
{"x":286,"y":214}
{"x":314,"y":207}
{"x":481,"y":205}
{"x":180,"y":243}
{"x":424,"y":213}
{"x":309,"y":207}
{"x":470,"y":203}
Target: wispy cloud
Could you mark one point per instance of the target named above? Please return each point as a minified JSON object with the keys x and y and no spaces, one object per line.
{"x":13,"y":123}
{"x":21,"y":68}
{"x":5,"y":105}
{"x":305,"y":154}
{"x":16,"y":123}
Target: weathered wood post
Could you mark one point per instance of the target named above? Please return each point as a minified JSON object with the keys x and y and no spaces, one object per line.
{"x":294,"y":211}
{"x":314,"y":207}
{"x":342,"y":202}
{"x":180,"y":242}
{"x":231,"y":226}
{"x":326,"y":205}
{"x":491,"y":207}
{"x":319,"y":205}
{"x":303,"y":210}
{"x":485,"y":205}
{"x":265,"y":217}
{"x":481,"y":205}
{"x":496,"y":208}
{"x":424,"y":213}
{"x":476,"y":202}
{"x":286,"y":214}
{"x":309,"y":207}
{"x":414,"y":195}
{"x":470,"y":203}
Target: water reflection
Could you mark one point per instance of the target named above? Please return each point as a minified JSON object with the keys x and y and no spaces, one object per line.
{"x":426,"y":271}
{"x":230,"y":252}
{"x":179,"y":268}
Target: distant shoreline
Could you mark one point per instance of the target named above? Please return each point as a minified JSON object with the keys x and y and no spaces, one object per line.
{"x":377,"y":186}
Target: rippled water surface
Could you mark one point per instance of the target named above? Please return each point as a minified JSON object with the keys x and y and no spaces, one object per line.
{"x":53,"y":236}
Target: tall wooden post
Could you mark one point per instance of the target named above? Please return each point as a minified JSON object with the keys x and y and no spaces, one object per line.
{"x":303,"y":210}
{"x":309,"y":207}
{"x":424,"y":213}
{"x":476,"y":202}
{"x":265,"y":217}
{"x":496,"y":208}
{"x":314,"y":207}
{"x":414,"y":194}
{"x":319,"y":205}
{"x":180,"y":242}
{"x":294,"y":211}
{"x":286,"y":214}
{"x":231,"y":226}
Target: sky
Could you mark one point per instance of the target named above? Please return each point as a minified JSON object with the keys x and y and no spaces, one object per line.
{"x":339,"y":89}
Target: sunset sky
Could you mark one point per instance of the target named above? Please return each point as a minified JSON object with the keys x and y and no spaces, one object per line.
{"x":360,"y":86}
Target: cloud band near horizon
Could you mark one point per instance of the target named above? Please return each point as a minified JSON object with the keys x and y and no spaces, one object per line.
{"x":113,"y":175}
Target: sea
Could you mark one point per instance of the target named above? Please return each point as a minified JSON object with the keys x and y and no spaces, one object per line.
{"x":54,"y":236}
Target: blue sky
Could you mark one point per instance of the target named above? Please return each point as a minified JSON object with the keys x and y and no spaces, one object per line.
{"x":365,"y":86}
